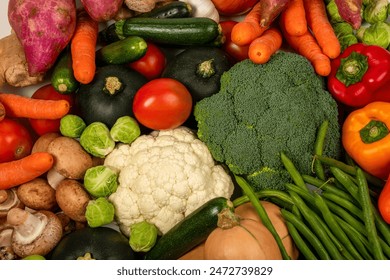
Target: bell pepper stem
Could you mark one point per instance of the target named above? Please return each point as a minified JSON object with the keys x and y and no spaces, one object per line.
{"x":352,"y":68}
{"x":373,"y":131}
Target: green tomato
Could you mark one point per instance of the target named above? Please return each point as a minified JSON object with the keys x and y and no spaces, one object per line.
{"x":143,"y":236}
{"x":125,"y":130}
{"x":96,"y":140}
{"x":99,"y":212}
{"x":377,"y":34}
{"x":100,"y":181}
{"x":72,"y":126}
{"x":376,"y":11}
{"x":34,"y":257}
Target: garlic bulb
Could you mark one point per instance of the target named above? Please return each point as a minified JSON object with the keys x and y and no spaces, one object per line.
{"x":203,"y":8}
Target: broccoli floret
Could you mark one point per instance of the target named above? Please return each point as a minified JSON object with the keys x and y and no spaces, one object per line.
{"x":262,"y":110}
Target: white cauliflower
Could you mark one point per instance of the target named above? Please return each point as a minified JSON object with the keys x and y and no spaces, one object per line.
{"x":164,"y":176}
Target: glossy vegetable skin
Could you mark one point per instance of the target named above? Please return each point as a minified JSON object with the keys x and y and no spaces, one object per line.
{"x":360,"y":75}
{"x":233,"y":7}
{"x":235,"y":51}
{"x":384,"y":202}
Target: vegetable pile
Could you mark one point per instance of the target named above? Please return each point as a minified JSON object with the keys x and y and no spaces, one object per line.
{"x":193,"y":129}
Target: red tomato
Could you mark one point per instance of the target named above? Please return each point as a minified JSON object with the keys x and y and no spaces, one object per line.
{"x":152,"y":64}
{"x":15,"y":140}
{"x":237,"y":52}
{"x":162,"y":103}
{"x":42,"y":126}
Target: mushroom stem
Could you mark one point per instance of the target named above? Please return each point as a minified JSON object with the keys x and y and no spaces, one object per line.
{"x":8,"y":200}
{"x":27,"y":226}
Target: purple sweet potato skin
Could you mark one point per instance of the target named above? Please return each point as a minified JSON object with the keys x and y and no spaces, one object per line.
{"x":44,"y":28}
{"x":270,"y":9}
{"x":102,"y":10}
{"x":350,"y":11}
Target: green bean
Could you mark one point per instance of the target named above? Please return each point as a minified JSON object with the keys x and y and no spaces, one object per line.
{"x":368,"y":215}
{"x":346,"y":181}
{"x":305,"y":231}
{"x":306,"y":195}
{"x":318,"y":149}
{"x":381,"y":225}
{"x":265,"y":193}
{"x":247,"y":189}
{"x":385,"y":247}
{"x":346,"y":204}
{"x":317,"y":225}
{"x":293,"y":171}
{"x":335,"y":227}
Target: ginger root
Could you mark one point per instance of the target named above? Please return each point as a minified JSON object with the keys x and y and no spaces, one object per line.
{"x":13,"y":65}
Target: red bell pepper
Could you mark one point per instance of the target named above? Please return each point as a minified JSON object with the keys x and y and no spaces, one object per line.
{"x":360,"y":75}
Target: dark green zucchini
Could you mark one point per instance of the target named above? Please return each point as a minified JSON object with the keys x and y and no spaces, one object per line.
{"x":171,"y":31}
{"x":124,"y":51}
{"x":62,"y":78}
{"x":176,"y":9}
{"x":190,"y":232}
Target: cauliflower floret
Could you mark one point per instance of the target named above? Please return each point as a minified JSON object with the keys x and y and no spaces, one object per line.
{"x":163,"y":177}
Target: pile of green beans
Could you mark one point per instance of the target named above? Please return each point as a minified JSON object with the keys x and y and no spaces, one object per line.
{"x":331,"y":214}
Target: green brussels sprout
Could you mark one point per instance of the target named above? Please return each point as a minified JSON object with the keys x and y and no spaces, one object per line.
{"x":143,"y":236}
{"x":100,"y":181}
{"x":360,"y":32}
{"x":72,"y":126}
{"x":96,"y":140}
{"x":376,"y":11}
{"x":342,"y":28}
{"x":333,"y":12}
{"x":346,"y":40}
{"x":377,"y":34}
{"x":99,"y":212}
{"x":125,"y":130}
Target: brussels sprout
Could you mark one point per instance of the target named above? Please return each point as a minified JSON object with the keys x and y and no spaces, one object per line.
{"x":346,"y":40}
{"x":125,"y":130}
{"x":333,"y":12}
{"x":72,"y":126}
{"x":342,"y":28}
{"x":99,"y":212}
{"x":376,"y":11}
{"x":377,"y":34}
{"x":96,"y":140}
{"x":100,"y":181}
{"x":143,"y":236}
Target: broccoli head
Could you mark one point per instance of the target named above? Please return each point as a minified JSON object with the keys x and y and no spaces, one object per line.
{"x":264,"y":109}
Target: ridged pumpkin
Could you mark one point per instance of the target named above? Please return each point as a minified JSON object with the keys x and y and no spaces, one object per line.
{"x":247,"y":211}
{"x":238,"y":238}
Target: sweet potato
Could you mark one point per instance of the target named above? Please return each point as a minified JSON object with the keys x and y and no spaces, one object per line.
{"x":102,"y":10}
{"x":350,"y":11}
{"x":270,"y":9}
{"x":44,"y":28}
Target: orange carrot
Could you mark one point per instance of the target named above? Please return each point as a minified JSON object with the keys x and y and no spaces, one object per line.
{"x":83,"y":47}
{"x":319,"y":24}
{"x":2,"y":111}
{"x":245,"y":31}
{"x":18,"y":106}
{"x":17,"y":172}
{"x":262,"y":48}
{"x":307,"y":46}
{"x":295,"y":17}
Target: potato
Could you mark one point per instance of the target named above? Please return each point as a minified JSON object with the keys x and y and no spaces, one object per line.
{"x":102,"y":10}
{"x":44,"y":28}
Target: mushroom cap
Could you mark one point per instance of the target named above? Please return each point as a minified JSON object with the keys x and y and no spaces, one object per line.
{"x":71,"y":160}
{"x":37,"y":194}
{"x":43,"y":141}
{"x":9,"y":200}
{"x":73,"y":199}
{"x":45,"y":242}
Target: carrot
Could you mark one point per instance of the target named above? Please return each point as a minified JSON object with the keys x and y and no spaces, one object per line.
{"x":295,"y":17}
{"x":319,"y":24}
{"x":2,"y":111}
{"x":17,"y":172}
{"x":83,"y":47}
{"x":245,"y":31}
{"x":307,"y":46}
{"x":18,"y":106}
{"x":262,"y":48}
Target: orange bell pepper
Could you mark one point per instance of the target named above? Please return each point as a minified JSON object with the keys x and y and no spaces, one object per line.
{"x":366,"y":138}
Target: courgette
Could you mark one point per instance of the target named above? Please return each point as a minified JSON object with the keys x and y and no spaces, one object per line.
{"x":176,"y":9}
{"x":190,"y":232}
{"x":171,"y":31}
{"x":124,"y":51}
{"x":62,"y":78}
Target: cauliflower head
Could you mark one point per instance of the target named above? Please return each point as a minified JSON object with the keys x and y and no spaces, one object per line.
{"x":163,"y":177}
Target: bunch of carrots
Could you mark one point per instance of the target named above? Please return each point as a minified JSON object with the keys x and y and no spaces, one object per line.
{"x":302,"y":23}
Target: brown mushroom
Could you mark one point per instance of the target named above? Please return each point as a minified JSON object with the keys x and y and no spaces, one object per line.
{"x":69,"y":225}
{"x":37,"y":194}
{"x":70,"y":159}
{"x":8,"y":200}
{"x":73,"y":199}
{"x":6,"y":251}
{"x":43,"y":141}
{"x":34,"y":233}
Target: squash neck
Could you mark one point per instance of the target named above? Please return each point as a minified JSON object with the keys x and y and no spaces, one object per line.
{"x":112,"y":85}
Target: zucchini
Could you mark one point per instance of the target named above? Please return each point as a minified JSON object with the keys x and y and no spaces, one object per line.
{"x":171,"y":31}
{"x":124,"y":51}
{"x":190,"y":232}
{"x":176,"y":9}
{"x":62,"y":78}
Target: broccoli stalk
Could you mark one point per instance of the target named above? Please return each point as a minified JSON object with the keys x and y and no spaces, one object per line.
{"x":263,"y":110}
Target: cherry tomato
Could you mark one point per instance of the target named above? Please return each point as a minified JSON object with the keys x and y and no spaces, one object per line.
{"x":15,"y":140}
{"x":237,"y":52}
{"x":152,"y":64}
{"x":162,"y":103}
{"x":42,"y":126}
